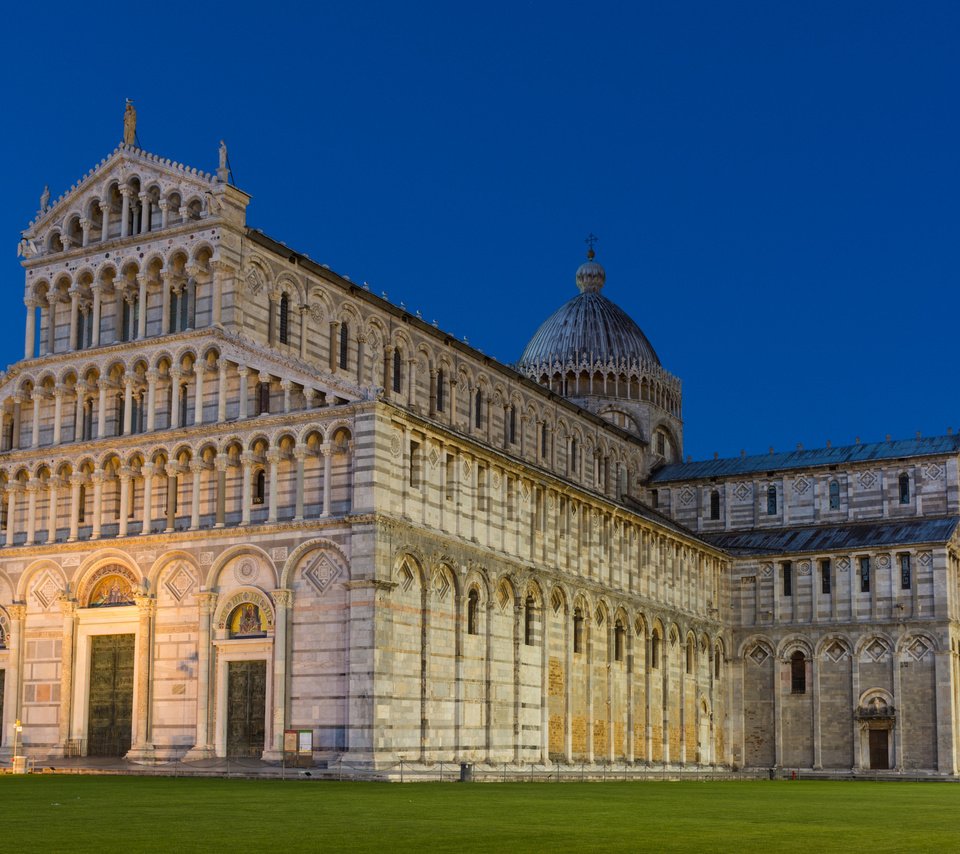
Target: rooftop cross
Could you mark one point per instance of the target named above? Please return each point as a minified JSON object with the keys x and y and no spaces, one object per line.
{"x":590,"y":241}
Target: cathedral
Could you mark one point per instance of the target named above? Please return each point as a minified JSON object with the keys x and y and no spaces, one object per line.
{"x":250,"y":507}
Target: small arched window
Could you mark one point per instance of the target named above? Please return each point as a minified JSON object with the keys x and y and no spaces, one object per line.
{"x":513,"y":424}
{"x":577,"y":630}
{"x":655,"y":650}
{"x":715,"y":504}
{"x":259,"y":487}
{"x":834,"y":495}
{"x":82,"y":504}
{"x":440,"y":384}
{"x":344,"y":344}
{"x":529,"y":620}
{"x":717,"y":659}
{"x":798,"y":673}
{"x":904,"y":482}
{"x":473,"y":613}
{"x":771,"y":501}
{"x":478,"y":409}
{"x":397,"y":371}
{"x":284,"y":319}
{"x":573,"y":455}
{"x":543,"y":439}
{"x":690,"y":654}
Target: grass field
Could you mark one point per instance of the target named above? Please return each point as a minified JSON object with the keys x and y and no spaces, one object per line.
{"x":72,"y":814}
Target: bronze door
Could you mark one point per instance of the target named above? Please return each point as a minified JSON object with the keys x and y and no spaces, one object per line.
{"x":879,"y":753}
{"x":246,"y":707}
{"x":111,"y":695}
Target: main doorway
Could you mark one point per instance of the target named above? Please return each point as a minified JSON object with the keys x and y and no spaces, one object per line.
{"x":246,"y":707}
{"x":110,"y":715}
{"x":879,"y":749}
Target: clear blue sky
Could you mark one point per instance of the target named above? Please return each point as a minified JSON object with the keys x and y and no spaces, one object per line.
{"x":775,"y":186}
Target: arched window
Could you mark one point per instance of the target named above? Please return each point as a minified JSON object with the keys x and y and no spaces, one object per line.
{"x":397,"y":371}
{"x":798,"y":673}
{"x":690,"y":652}
{"x":543,"y":439}
{"x":81,"y":341}
{"x":655,"y":498}
{"x":259,"y":487}
{"x":528,"y":620}
{"x":904,"y":482}
{"x":834,"y":495}
{"x":440,"y":385}
{"x":478,"y":408}
{"x":655,"y":650}
{"x":661,"y":444}
{"x":771,"y":500}
{"x":573,"y":455}
{"x":619,"y":634}
{"x":183,"y":406}
{"x":715,"y":504}
{"x":577,"y":630}
{"x":513,"y":424}
{"x":82,"y":504}
{"x":284,"y":319}
{"x":120,"y":414}
{"x":473,"y":613}
{"x":344,"y":344}
{"x":717,"y":659}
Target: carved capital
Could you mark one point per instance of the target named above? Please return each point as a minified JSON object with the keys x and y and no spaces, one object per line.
{"x":282,"y":598}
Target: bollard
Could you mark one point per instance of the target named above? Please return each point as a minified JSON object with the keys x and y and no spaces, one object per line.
{"x":466,"y":772}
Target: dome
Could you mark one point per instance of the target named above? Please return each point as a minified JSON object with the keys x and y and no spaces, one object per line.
{"x":588,"y":326}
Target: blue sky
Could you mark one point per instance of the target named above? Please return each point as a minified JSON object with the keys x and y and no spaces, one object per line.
{"x":775,"y":186}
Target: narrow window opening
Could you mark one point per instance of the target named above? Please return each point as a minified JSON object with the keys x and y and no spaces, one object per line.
{"x":619,"y":633}
{"x":259,"y":487}
{"x":798,"y":673}
{"x":529,"y":621}
{"x":834,"y":495}
{"x":825,"y":577}
{"x":771,"y":501}
{"x":416,"y":464}
{"x":473,"y":613}
{"x":906,"y":576}
{"x":440,"y":385}
{"x":397,"y":371}
{"x":478,"y":409}
{"x":284,"y":319}
{"x":655,"y":651}
{"x":344,"y":344}
{"x":787,"y":570}
{"x":715,"y":505}
{"x":864,"y":575}
{"x":904,"y":482}
{"x":577,"y":631}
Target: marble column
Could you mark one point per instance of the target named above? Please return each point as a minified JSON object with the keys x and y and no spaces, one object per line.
{"x":125,"y":192}
{"x":105,"y":221}
{"x":12,"y":703}
{"x":222,"y":392}
{"x":299,"y":455}
{"x":246,"y":461}
{"x":127,"y":405}
{"x":303,"y":332}
{"x":221,"y":468}
{"x":216,"y":309}
{"x":80,"y":394}
{"x":202,"y":748}
{"x":69,"y":609}
{"x":52,"y":514}
{"x":273,"y":460}
{"x":124,"y":515}
{"x":196,"y":468}
{"x":103,"y":385}
{"x":142,"y":749}
{"x":37,"y":398}
{"x":142,"y":309}
{"x":74,"y":319}
{"x":97,"y":310}
{"x":172,"y":471}
{"x":166,"y":280}
{"x":76,"y":481}
{"x":151,"y":400}
{"x":97,"y":478}
{"x":199,"y":369}
{"x":30,"y":343}
{"x":242,"y":371}
{"x":327,"y":451}
{"x":147,"y":471}
{"x":283,"y":600}
{"x":175,"y":398}
{"x":33,"y":485}
{"x":57,"y":414}
{"x":12,"y":490}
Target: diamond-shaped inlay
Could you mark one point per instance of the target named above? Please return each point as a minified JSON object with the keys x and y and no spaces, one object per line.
{"x":322,"y":572}
{"x":686,"y":495}
{"x":933,"y":471}
{"x":924,"y":558}
{"x":467,"y":468}
{"x":599,"y":617}
{"x":434,"y":456}
{"x":876,"y":650}
{"x":556,"y":601}
{"x":835,"y":651}
{"x":766,"y":570}
{"x":441,"y":584}
{"x":759,"y":655}
{"x":918,"y":649}
{"x":868,"y":479}
{"x":405,"y":577}
{"x":801,"y":485}
{"x":46,"y":591}
{"x":843,"y":564}
{"x":503,"y":596}
{"x":180,"y":582}
{"x":741,"y":491}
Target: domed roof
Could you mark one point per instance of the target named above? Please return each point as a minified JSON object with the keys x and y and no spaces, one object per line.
{"x":589,"y":326}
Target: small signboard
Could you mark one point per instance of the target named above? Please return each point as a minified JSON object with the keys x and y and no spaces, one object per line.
{"x":298,"y":747}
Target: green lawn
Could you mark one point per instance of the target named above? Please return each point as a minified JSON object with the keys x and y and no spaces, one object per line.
{"x":71,"y":813}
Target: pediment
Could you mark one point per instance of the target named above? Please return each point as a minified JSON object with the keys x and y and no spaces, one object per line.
{"x":128,"y":166}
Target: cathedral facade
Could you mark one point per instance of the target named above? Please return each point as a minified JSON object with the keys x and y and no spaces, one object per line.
{"x":244,"y":499}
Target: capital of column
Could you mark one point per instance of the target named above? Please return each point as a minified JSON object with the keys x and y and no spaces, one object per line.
{"x":282,"y":598}
{"x":197,"y":466}
{"x":221,"y":461}
{"x":152,"y":376}
{"x":144,"y":198}
{"x":143,"y":279}
{"x":300,"y":453}
{"x":286,"y":384}
{"x":247,"y":459}
{"x":59,"y":391}
{"x":303,"y":309}
{"x":243,"y":370}
{"x":126,"y":190}
{"x":37,"y":394}
{"x":207,"y":601}
{"x":97,"y":477}
{"x":172,"y":469}
{"x":78,"y":479}
{"x":193,"y":270}
{"x":168,"y":276}
{"x":67,"y":605}
{"x":163,"y":204}
{"x":147,"y":469}
{"x":273,"y":457}
{"x":34,"y":484}
{"x":264,"y":377}
{"x":84,"y":222}
{"x":104,"y":208}
{"x":17,"y":612}
{"x":146,"y":605}
{"x":30,"y":302}
{"x":126,"y":473}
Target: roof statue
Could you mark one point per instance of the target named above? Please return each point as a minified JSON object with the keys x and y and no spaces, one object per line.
{"x":130,"y":124}
{"x":44,"y":199}
{"x":223,"y":170}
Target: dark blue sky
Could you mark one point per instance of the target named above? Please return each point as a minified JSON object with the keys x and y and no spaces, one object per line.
{"x":775,"y":186}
